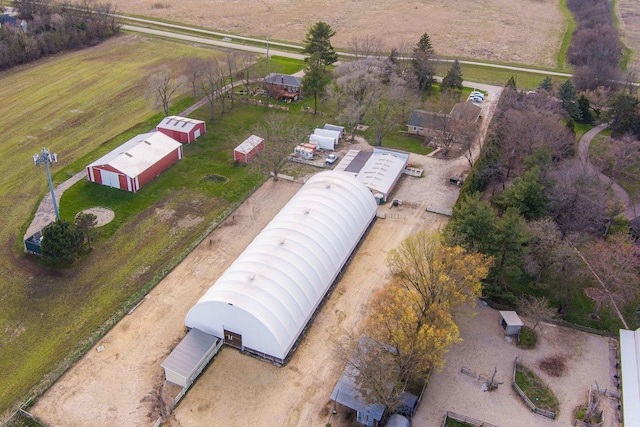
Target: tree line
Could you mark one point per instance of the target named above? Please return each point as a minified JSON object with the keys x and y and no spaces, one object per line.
{"x":51,"y":27}
{"x":549,"y":221}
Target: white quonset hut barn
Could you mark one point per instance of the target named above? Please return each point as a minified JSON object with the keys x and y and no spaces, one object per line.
{"x":264,"y":300}
{"x":136,"y":162}
{"x":182,"y":129}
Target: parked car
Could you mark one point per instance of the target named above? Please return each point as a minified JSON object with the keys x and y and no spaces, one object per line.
{"x":475,"y":99}
{"x":477,"y":93}
{"x":331,"y":159}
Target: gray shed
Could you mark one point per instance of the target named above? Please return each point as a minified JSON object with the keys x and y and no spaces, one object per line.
{"x":190,"y":357}
{"x":510,"y":322}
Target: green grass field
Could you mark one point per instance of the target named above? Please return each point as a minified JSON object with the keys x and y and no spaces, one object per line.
{"x":75,"y":104}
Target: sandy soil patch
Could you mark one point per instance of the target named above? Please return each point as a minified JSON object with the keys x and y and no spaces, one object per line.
{"x":484,"y":348}
{"x":528,"y":32}
{"x":103,"y":215}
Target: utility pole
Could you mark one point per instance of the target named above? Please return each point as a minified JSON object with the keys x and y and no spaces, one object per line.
{"x":46,"y":157}
{"x":268,"y":70}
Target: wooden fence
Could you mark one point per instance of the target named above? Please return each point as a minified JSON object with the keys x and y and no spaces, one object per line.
{"x":474,"y":374}
{"x":526,"y":400}
{"x":465,"y":419}
{"x":306,"y":162}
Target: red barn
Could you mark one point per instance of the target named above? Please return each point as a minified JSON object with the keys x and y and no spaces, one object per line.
{"x":248,"y":149}
{"x":182,"y":129}
{"x":136,"y":162}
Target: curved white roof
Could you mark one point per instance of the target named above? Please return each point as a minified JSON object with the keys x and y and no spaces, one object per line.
{"x":273,"y":288}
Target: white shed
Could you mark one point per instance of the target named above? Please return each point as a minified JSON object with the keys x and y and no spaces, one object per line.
{"x":510,"y":322}
{"x":334,"y":134}
{"x":323,"y":142}
{"x":264,"y":300}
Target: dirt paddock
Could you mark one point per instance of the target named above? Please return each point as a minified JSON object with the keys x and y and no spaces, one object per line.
{"x":121,"y":385}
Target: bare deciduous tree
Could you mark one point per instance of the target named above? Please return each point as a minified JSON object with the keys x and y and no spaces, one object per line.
{"x":599,"y":99}
{"x":615,"y":264}
{"x":357,"y":84}
{"x":194,"y":69}
{"x":163,"y":86}
{"x":537,"y":309}
{"x":363,"y":46}
{"x":280,"y":136}
{"x":389,"y":106}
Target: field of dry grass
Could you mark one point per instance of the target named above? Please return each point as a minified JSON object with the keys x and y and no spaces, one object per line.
{"x":521,"y":31}
{"x":629,"y":15}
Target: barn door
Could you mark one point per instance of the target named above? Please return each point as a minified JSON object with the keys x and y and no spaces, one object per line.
{"x":109,"y":178}
{"x":233,"y":339}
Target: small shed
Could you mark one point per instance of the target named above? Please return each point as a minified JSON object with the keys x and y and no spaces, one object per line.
{"x":323,"y":142}
{"x":340,"y":129}
{"x":510,"y":322}
{"x":190,"y":357}
{"x":334,"y":134}
{"x":182,"y":129}
{"x":248,"y":149}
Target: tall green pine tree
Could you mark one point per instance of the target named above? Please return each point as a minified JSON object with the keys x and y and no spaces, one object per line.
{"x":453,"y":79}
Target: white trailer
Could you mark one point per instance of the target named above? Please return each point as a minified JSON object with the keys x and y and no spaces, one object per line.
{"x":324,"y":142}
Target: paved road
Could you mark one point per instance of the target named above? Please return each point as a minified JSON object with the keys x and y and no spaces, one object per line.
{"x":211,"y":42}
{"x":272,"y":44}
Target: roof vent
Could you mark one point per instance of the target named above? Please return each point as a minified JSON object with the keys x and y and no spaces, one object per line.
{"x":127,"y":154}
{"x":306,"y":211}
{"x":281,"y":242}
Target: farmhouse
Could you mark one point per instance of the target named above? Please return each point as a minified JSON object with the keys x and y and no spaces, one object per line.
{"x":182,"y":129}
{"x":248,"y":149}
{"x":380,"y":171}
{"x":136,"y":162}
{"x":262,"y":303}
{"x":283,"y":86}
{"x":421,"y":122}
{"x":426,"y":123}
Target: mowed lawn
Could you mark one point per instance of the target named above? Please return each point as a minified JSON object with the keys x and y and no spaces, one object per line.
{"x":73,"y":104}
